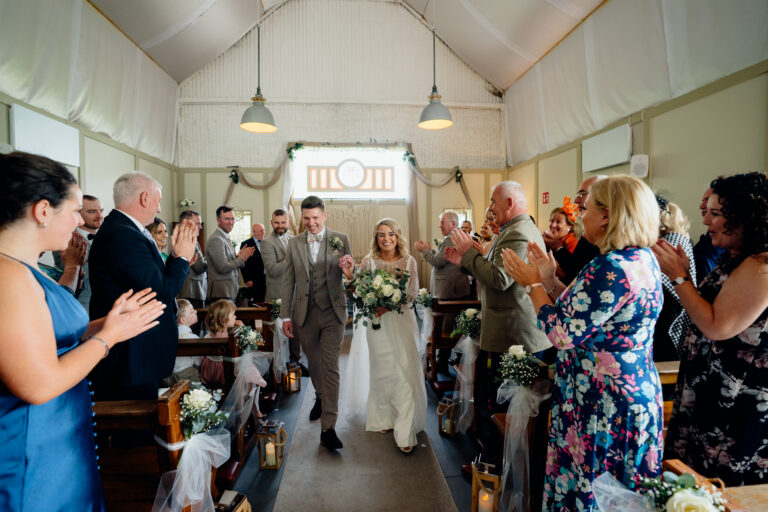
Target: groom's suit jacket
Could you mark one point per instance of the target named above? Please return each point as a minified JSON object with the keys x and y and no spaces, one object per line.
{"x":122,"y":258}
{"x":296,"y":285}
{"x":507,"y":311}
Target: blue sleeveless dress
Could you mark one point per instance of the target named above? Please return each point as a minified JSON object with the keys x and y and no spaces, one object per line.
{"x":48,"y":456}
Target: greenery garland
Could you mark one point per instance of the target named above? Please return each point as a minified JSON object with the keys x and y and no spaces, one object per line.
{"x":291,"y":150}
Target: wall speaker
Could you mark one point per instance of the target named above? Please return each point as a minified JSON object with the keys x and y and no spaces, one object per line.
{"x":638,"y":166}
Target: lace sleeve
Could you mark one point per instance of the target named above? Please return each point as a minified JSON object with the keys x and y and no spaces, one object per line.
{"x":412,"y":288}
{"x":365,"y":264}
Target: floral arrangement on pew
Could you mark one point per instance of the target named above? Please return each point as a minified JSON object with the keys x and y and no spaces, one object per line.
{"x":200,"y":411}
{"x":681,"y":493}
{"x":423,"y":298}
{"x":467,"y":324}
{"x":518,"y":367}
{"x":521,"y":386}
{"x":275,"y":307}
{"x":378,"y":289}
{"x":248,"y":338}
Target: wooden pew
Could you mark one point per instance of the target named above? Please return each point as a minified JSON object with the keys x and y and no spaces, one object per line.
{"x":746,"y":498}
{"x":130,"y":459}
{"x":668,"y":371}
{"x":443,"y":340}
{"x":253,"y":316}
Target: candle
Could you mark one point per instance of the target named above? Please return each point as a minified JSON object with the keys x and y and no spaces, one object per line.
{"x":448,"y":426}
{"x":270,"y":449}
{"x":292,"y":381}
{"x":484,"y":501}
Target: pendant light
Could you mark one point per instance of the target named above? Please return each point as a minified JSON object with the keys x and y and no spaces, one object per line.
{"x":435,"y":116}
{"x":257,"y":118}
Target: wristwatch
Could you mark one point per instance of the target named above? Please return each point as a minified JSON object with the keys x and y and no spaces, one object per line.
{"x":529,"y":287}
{"x":681,"y":280}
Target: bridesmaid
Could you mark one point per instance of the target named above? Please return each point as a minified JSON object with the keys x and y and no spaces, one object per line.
{"x":48,"y":346}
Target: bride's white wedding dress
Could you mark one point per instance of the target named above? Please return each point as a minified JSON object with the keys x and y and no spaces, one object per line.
{"x":385,"y":376}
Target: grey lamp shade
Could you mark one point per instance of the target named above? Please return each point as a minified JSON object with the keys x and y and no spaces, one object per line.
{"x":257,"y":118}
{"x":435,"y":116}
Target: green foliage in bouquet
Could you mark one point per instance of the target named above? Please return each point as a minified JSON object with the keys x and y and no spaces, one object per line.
{"x":423,"y":298}
{"x":518,"y":367}
{"x":200,"y":410}
{"x":673,"y":492}
{"x":378,"y":289}
{"x":275,"y":307}
{"x":467,"y":324}
{"x":248,"y":338}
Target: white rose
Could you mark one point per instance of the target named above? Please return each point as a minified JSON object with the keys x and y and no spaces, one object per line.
{"x":517,"y":350}
{"x":396,"y":296}
{"x":687,"y":501}
{"x":370,"y":298}
{"x":387,"y":290}
{"x":423,"y":292}
{"x":359,"y":291}
{"x":197,"y":398}
{"x":471,"y":312}
{"x":279,"y":301}
{"x":377,"y":282}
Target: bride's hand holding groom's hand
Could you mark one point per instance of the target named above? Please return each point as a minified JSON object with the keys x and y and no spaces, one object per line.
{"x":347,"y":264}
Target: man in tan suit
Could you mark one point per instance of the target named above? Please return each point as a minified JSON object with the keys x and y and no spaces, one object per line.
{"x":314,"y":304}
{"x":508,"y":317}
{"x":223,"y":262}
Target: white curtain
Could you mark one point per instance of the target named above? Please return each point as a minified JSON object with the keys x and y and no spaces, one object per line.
{"x":67,"y":59}
{"x":628,"y":56}
{"x":356,"y":221}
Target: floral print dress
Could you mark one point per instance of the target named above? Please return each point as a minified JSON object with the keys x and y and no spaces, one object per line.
{"x":719,"y":423}
{"x":607,"y":405}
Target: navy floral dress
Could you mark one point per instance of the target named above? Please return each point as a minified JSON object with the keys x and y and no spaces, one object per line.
{"x":719,"y":423}
{"x":607,"y":405}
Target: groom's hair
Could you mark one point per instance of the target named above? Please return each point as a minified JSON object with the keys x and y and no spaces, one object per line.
{"x":310,"y":202}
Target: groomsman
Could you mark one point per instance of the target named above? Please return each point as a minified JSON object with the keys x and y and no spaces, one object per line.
{"x":507,"y":311}
{"x":273,"y":251}
{"x":254,"y":275}
{"x":314,"y":304}
{"x":195,"y":286}
{"x":223,"y":279}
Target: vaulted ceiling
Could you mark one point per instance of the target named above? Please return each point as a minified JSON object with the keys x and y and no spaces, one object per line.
{"x":499,"y":39}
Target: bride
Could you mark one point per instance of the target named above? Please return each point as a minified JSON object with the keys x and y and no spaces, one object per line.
{"x":397,"y":398}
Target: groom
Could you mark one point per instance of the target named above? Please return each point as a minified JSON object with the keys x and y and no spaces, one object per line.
{"x":314,"y":296}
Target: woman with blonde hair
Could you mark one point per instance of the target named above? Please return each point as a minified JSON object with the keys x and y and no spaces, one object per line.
{"x":673,"y":322}
{"x":606,"y":407}
{"x":394,"y":394}
{"x":218,"y":322}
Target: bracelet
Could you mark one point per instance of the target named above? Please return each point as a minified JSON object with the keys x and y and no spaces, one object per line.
{"x":106,"y":347}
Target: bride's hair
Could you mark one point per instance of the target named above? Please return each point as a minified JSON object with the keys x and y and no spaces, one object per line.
{"x":402,"y":244}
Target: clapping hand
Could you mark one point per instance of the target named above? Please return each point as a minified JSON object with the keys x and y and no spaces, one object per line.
{"x":545,"y":262}
{"x":74,"y":254}
{"x":183,"y":240}
{"x":246,"y":252}
{"x":551,"y":241}
{"x":523,"y":273}
{"x":131,"y":315}
{"x":452,"y":255}
{"x":347,"y":265}
{"x":462,"y":242}
{"x":672,"y":260}
{"x":420,"y":245}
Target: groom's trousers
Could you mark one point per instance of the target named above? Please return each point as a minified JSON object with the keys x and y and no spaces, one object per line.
{"x":321,"y":337}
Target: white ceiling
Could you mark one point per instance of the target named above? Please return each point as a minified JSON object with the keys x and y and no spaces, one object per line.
{"x":500,"y":39}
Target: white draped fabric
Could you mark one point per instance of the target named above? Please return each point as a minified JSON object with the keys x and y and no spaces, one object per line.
{"x":67,"y":59}
{"x":628,"y":56}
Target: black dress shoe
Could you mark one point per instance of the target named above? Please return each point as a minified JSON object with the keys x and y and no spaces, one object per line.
{"x":317,"y":410}
{"x":330,"y":440}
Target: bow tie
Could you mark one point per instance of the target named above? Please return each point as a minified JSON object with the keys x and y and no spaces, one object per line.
{"x":91,"y":236}
{"x":314,"y":238}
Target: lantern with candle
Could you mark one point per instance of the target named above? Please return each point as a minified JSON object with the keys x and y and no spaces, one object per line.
{"x":486,"y":488}
{"x":292,"y":378}
{"x":271,"y":439}
{"x":446,"y":423}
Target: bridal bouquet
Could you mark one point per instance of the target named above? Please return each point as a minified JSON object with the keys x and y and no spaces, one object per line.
{"x":423,"y":298}
{"x":378,"y":289}
{"x":468,"y":323}
{"x":681,"y":493}
{"x":275,"y":307}
{"x":518,"y":367}
{"x":248,"y":338}
{"x":200,"y":411}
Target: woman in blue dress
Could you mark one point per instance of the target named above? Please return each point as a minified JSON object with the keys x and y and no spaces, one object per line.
{"x":606,"y":406}
{"x":48,"y":346}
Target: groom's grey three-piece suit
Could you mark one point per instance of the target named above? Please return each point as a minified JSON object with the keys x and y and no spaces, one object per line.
{"x":314,"y":299}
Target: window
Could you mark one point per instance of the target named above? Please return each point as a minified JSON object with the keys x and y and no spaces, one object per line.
{"x":350,"y":173}
{"x":464,"y":214}
{"x":243,"y":228}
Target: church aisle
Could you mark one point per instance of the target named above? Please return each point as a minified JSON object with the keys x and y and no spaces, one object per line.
{"x":369,"y":473}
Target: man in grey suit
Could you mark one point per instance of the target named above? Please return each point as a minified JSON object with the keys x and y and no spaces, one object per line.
{"x":314,"y":304}
{"x":274,"y":249}
{"x":195,"y":287}
{"x":508,"y":317}
{"x":447,"y":280}
{"x":223,"y":278}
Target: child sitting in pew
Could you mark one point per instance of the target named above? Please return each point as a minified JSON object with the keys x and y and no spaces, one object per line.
{"x":219,"y":321}
{"x":185,"y":368}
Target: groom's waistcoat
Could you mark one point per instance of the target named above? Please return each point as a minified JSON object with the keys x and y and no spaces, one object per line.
{"x":318,"y":279}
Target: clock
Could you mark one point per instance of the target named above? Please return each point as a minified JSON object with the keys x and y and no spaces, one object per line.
{"x":351,"y":173}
